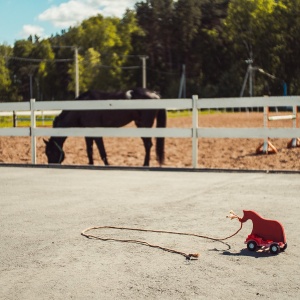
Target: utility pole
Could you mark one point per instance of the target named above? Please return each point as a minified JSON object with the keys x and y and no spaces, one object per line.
{"x":250,"y":78}
{"x":144,"y":78}
{"x":76,"y":72}
{"x":30,"y":84}
{"x":249,"y":74}
{"x":182,"y":87}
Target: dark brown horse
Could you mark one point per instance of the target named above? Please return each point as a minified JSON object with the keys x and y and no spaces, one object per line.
{"x":108,"y":118}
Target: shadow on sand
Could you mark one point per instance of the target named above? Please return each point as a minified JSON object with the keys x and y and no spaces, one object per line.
{"x":262,"y":253}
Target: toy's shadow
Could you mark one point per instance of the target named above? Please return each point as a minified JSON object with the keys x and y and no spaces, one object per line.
{"x":246,"y":252}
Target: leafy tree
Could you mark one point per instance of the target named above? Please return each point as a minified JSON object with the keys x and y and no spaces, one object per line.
{"x":177,"y":33}
{"x":212,"y":38}
{"x":156,"y":17}
{"x":5,"y":81}
{"x":104,"y":45}
{"x":286,"y":28}
{"x":88,"y":70}
{"x":209,"y":54}
{"x":29,"y":66}
{"x":187,"y":21}
{"x":20,"y":67}
{"x":64,"y":50}
{"x":251,"y":29}
{"x":43,"y":74}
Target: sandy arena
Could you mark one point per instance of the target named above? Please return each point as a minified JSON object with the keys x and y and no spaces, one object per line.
{"x":213,"y":153}
{"x":44,"y":256}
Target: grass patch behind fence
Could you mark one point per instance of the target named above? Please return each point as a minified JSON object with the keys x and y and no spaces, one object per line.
{"x":25,"y":122}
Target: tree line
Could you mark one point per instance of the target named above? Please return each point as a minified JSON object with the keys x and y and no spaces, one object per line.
{"x":209,"y":43}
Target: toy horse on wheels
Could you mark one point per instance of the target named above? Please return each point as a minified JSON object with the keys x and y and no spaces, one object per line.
{"x":265,"y":233}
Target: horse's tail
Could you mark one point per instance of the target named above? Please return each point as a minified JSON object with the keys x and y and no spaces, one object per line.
{"x":161,"y":122}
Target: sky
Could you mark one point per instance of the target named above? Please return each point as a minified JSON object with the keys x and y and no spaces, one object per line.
{"x":21,"y":18}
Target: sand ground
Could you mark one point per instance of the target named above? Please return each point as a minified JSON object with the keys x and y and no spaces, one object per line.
{"x":44,"y":210}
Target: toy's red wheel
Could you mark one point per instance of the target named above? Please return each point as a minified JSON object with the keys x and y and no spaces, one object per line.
{"x":274,"y":248}
{"x":251,"y":246}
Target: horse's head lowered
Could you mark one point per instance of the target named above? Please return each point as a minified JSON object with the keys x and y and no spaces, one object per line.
{"x":54,"y":152}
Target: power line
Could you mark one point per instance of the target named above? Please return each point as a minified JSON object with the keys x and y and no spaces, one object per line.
{"x":162,"y":72}
{"x":116,"y":67}
{"x":38,"y":60}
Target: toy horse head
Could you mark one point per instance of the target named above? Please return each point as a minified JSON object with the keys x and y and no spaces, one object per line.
{"x":249,"y":214}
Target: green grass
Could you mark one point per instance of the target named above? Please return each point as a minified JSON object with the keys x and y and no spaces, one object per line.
{"x":6,"y":121}
{"x":25,"y":122}
{"x":179,"y":113}
{"x":188,"y":113}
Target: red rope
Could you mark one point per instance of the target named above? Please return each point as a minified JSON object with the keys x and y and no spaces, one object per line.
{"x":187,"y":256}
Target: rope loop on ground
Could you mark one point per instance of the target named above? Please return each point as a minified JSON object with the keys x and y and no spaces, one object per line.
{"x":190,"y":256}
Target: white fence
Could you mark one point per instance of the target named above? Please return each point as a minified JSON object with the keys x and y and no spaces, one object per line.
{"x":193,"y":104}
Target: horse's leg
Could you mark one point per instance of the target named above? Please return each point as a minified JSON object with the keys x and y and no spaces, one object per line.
{"x":89,"y":149}
{"x":147,"y":144}
{"x":101,"y":148}
{"x":146,"y":120}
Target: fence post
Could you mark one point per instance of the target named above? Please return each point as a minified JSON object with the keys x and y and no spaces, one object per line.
{"x":295,"y":141}
{"x":266,"y":115}
{"x":32,"y":135}
{"x":194,"y":132}
{"x":14,"y":119}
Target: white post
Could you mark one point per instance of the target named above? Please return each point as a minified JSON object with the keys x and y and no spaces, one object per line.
{"x":294,"y":140}
{"x":250,"y":80}
{"x":76,"y":72}
{"x":194,"y":132}
{"x":144,"y":75}
{"x":266,"y":115}
{"x":32,"y":127}
{"x":295,"y":115}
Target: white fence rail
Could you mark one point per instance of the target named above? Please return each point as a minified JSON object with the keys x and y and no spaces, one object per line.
{"x":193,"y":104}
{"x":28,"y":113}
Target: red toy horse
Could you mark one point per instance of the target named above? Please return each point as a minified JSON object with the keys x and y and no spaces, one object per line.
{"x":265,"y":233}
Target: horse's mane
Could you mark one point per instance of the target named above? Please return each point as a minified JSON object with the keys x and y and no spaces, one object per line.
{"x":134,"y":93}
{"x":100,"y":95}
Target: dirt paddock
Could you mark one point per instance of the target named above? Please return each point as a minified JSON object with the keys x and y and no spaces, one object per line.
{"x":213,"y":153}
